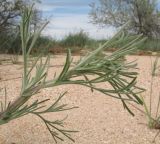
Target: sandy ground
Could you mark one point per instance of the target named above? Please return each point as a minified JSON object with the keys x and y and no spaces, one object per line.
{"x":99,"y":118}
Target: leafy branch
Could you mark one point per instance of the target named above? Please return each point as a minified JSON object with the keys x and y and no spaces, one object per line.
{"x":90,"y":71}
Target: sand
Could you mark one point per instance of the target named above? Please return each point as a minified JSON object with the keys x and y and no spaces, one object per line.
{"x":99,"y":119}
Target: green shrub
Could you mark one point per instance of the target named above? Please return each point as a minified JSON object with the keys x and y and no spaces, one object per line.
{"x":79,"y":39}
{"x":151,"y":45}
{"x":10,"y":42}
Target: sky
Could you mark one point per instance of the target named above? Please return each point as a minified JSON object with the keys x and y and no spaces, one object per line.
{"x":71,"y":16}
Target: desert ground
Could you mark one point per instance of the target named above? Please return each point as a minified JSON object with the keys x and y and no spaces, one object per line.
{"x":99,"y":119}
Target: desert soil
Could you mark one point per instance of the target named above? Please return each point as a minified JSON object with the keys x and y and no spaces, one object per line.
{"x":99,"y":119}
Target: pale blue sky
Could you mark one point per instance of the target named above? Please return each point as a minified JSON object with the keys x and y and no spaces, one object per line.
{"x":67,"y":16}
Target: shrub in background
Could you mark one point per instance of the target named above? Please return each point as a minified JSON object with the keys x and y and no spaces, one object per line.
{"x":151,"y":45}
{"x":76,"y":41}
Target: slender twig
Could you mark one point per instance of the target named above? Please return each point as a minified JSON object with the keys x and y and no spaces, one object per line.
{"x":151,"y":91}
{"x":156,"y":136}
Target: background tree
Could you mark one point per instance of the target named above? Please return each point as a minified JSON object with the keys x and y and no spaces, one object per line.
{"x":9,"y":10}
{"x":143,"y":14}
{"x":10,"y":13}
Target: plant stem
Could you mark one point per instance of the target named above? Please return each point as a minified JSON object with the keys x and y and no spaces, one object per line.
{"x":158,"y":106}
{"x":151,"y":91}
{"x":4,"y":116}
